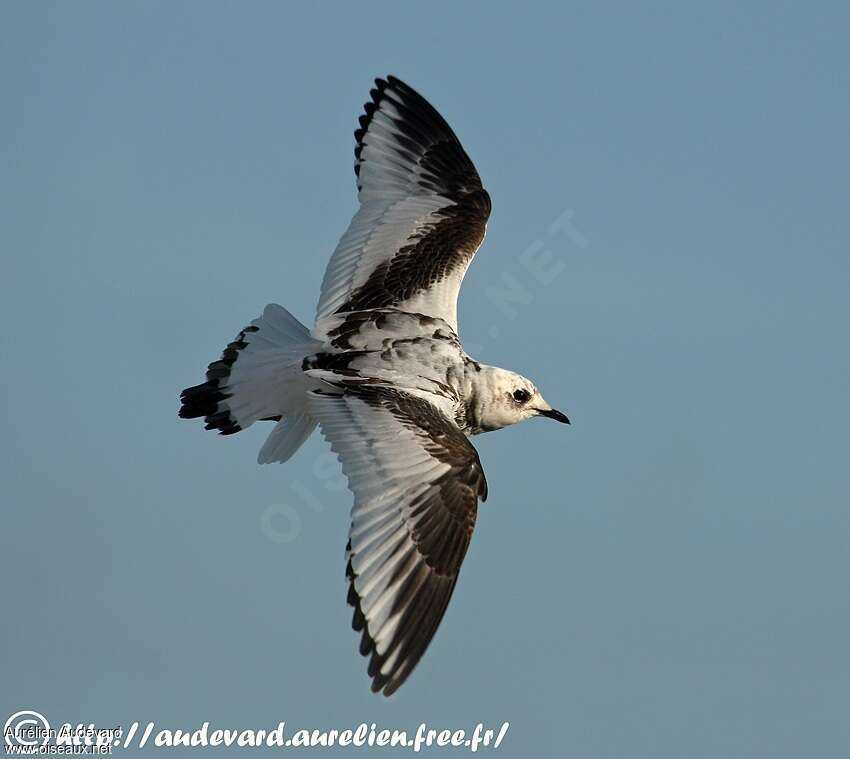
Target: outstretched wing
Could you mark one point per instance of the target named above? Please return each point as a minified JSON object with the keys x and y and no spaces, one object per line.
{"x":422,"y":213}
{"x":416,"y":482}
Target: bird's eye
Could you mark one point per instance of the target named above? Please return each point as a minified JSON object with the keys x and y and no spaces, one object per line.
{"x":521,"y":395}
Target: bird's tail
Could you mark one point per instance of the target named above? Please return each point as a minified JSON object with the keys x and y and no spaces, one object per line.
{"x":259,"y":378}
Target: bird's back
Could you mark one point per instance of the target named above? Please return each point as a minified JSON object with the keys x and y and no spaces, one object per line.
{"x":412,"y":351}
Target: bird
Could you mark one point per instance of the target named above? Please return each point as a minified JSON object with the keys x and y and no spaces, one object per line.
{"x":384,"y":376}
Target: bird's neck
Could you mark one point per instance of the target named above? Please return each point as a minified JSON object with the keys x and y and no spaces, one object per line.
{"x":475,"y":386}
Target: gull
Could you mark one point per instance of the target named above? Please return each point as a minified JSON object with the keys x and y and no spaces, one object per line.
{"x":384,"y":376}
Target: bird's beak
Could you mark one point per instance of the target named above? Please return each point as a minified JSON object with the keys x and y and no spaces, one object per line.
{"x":553,"y":414}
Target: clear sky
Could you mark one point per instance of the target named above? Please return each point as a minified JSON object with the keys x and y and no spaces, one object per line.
{"x":666,"y":578}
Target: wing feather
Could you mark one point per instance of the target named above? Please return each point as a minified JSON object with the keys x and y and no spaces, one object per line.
{"x":416,"y":481}
{"x":422,"y":215}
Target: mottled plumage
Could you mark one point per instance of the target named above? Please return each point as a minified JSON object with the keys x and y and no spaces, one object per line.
{"x":384,"y":375}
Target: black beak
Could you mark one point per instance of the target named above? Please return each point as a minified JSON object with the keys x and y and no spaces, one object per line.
{"x":553,"y":414}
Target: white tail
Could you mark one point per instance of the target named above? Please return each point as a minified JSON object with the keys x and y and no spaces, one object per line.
{"x":258,"y":378}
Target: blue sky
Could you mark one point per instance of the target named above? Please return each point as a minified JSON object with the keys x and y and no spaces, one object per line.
{"x":667,"y":577}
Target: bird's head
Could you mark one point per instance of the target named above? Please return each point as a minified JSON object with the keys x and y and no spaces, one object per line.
{"x":503,"y":398}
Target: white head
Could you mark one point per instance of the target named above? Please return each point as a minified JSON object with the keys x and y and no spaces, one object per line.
{"x":501,"y":398}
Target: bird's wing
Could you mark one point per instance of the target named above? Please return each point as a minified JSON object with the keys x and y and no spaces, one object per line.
{"x":416,"y":481}
{"x":422,"y":213}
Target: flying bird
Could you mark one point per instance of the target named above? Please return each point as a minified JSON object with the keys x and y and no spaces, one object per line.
{"x":384,"y":376}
